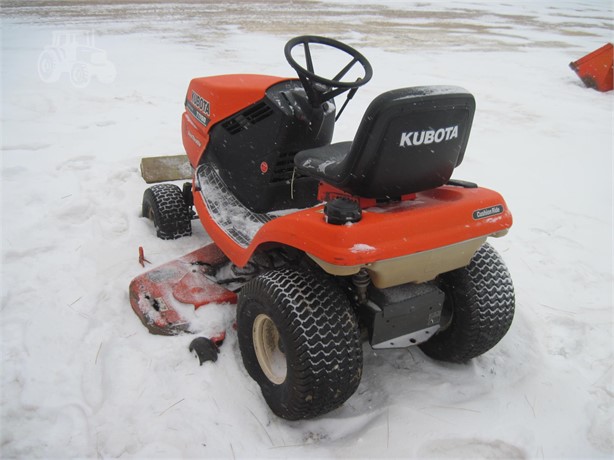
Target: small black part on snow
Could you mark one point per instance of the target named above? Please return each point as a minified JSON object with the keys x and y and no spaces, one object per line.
{"x":205,"y":349}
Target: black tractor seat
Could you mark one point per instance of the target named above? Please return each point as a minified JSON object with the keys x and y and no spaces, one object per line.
{"x":409,"y":140}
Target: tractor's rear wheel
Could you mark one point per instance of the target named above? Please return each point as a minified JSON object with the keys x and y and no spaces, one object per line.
{"x":300,"y":341}
{"x":478,"y":308}
{"x":49,"y":66}
{"x":166,"y":206}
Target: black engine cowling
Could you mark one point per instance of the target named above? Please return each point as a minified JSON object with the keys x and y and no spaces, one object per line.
{"x":254,"y":149}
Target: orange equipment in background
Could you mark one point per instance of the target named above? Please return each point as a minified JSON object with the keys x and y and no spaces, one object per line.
{"x":595,"y":69}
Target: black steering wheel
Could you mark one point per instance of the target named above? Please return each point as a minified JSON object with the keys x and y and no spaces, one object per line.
{"x":318,"y":88}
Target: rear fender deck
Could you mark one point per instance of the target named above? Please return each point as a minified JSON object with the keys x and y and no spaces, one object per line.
{"x":438,"y":218}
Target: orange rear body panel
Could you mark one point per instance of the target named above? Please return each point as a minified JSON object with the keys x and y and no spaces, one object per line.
{"x":210,"y":100}
{"x":436,"y":218}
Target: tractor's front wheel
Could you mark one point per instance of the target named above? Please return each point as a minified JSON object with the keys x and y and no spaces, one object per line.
{"x":165,"y":205}
{"x":478,"y":308}
{"x":300,"y":341}
{"x":80,"y":75}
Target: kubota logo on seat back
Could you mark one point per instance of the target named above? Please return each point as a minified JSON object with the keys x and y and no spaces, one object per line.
{"x":412,"y":138}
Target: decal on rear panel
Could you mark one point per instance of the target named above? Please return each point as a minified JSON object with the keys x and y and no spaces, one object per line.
{"x":488,"y":212}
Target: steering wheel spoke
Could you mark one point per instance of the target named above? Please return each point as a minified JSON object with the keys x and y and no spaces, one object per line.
{"x":345,"y":70}
{"x":308,"y":58}
{"x":318,"y":88}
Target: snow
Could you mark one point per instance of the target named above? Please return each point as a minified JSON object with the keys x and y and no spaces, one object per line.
{"x":322,"y":167}
{"x":358,"y":248}
{"x":81,"y":377}
{"x":238,"y":222}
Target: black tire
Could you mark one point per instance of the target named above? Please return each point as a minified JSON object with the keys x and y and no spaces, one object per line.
{"x":305,"y":320}
{"x":165,"y":205}
{"x":479,"y":305}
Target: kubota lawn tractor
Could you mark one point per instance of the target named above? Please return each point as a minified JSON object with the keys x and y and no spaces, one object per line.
{"x":322,"y":245}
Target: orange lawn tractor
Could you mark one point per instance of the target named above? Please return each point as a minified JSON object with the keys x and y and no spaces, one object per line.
{"x":324,"y":245}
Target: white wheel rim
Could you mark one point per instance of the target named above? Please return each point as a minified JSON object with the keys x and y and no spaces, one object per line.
{"x":266,"y":344}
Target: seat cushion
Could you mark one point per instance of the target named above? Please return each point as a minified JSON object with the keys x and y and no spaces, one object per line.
{"x":323,"y":162}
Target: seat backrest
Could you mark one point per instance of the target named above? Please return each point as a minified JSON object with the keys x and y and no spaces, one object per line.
{"x":409,"y":140}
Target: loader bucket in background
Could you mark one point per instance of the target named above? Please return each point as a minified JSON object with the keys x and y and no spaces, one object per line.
{"x":595,"y":69}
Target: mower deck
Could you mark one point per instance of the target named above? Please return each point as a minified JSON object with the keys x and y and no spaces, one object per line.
{"x":156,"y":296}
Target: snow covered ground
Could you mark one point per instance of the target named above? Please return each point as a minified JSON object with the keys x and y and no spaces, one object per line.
{"x":81,"y":377}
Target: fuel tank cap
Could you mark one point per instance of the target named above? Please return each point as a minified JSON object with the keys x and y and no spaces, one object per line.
{"x":341,"y":211}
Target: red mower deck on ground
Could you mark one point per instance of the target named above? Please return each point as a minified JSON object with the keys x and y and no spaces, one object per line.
{"x":156,"y":295}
